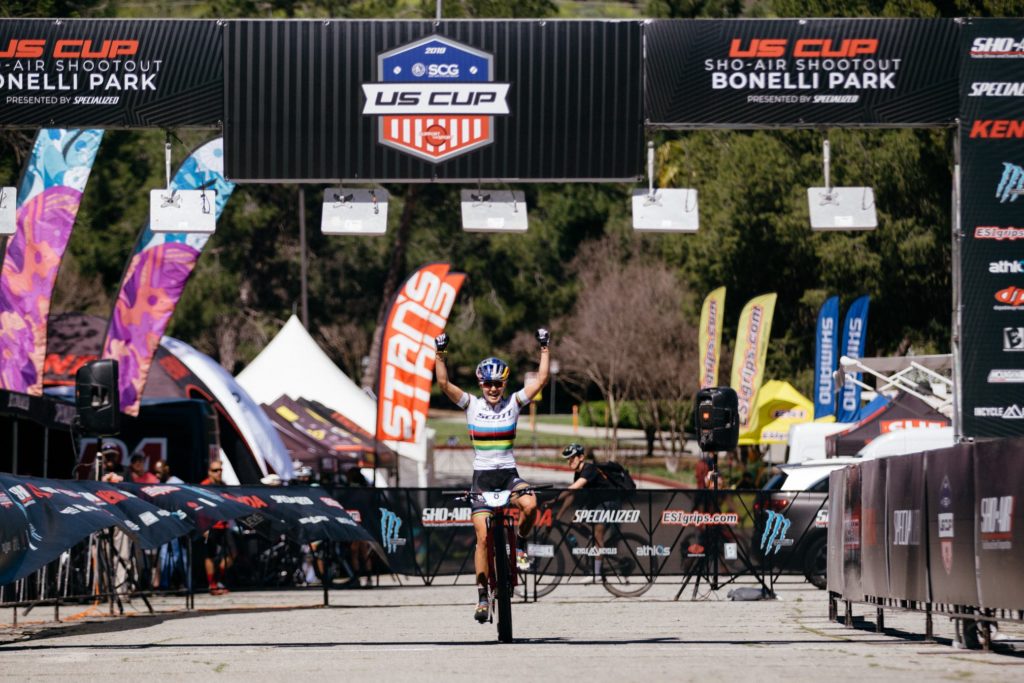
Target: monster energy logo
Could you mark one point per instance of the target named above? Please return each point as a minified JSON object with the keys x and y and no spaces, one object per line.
{"x":1011,"y":185}
{"x":774,"y":536}
{"x":390,"y":523}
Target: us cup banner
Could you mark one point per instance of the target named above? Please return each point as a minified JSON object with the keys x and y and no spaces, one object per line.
{"x":801,"y":72}
{"x":992,"y":227}
{"x":709,"y":337}
{"x":826,"y":358}
{"x":110,"y":73}
{"x":855,"y":330}
{"x":48,"y":199}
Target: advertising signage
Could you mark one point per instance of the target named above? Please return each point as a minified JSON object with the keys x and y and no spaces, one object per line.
{"x":992,"y":227}
{"x":104,"y":73}
{"x":801,"y":72}
{"x":433,"y":101}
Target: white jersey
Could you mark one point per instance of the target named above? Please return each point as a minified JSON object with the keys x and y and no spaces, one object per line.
{"x":492,"y":429}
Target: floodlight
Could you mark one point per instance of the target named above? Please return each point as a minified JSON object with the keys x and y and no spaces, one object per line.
{"x":493,"y":211}
{"x":8,"y":210}
{"x":173,"y":210}
{"x":664,"y":210}
{"x":841,"y":208}
{"x":354,"y":212}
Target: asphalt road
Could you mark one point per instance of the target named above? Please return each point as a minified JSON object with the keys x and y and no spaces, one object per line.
{"x":421,"y":633}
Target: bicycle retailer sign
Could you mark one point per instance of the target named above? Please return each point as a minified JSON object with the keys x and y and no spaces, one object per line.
{"x":435,"y":99}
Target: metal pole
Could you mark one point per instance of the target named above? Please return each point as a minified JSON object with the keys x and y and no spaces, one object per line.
{"x":46,"y":454}
{"x":957,"y":417}
{"x":14,"y":446}
{"x":304,"y":299}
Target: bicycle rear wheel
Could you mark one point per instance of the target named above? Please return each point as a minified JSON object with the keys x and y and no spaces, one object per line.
{"x":623,"y":573}
{"x":546,"y":572}
{"x":503,"y":579}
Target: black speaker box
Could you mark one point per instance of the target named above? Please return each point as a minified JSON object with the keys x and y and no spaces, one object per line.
{"x":96,"y":398}
{"x":716,"y":419}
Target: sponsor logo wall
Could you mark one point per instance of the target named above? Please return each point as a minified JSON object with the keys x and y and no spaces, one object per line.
{"x":992,"y":242}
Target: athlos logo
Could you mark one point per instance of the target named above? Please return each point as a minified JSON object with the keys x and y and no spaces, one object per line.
{"x":436,"y":98}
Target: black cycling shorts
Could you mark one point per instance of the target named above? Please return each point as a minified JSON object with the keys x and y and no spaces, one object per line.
{"x":494,"y":480}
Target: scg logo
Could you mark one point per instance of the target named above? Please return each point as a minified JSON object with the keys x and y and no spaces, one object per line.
{"x":435,"y":70}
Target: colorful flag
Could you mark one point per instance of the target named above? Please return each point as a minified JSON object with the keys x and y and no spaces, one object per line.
{"x":155,"y":277}
{"x":752,"y":334}
{"x":48,"y":199}
{"x":418,"y":314}
{"x":709,"y":339}
{"x":825,"y":358}
{"x":855,"y":331}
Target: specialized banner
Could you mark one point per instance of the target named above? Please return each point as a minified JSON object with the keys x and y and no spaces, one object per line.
{"x":826,"y":358}
{"x":800,"y":72}
{"x":155,"y":277}
{"x":48,"y":198}
{"x":855,"y":329}
{"x":906,"y":527}
{"x":418,"y":314}
{"x":752,"y":336}
{"x":991,"y":293}
{"x":999,"y":522}
{"x":434,"y":100}
{"x":111,"y":73}
{"x":709,"y":337}
{"x":950,"y":489}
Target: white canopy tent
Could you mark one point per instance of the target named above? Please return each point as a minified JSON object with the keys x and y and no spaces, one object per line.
{"x":293,"y":364}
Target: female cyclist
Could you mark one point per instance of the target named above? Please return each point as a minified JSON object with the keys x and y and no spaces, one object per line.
{"x":492,"y":429}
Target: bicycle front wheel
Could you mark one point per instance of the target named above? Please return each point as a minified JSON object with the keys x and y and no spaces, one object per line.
{"x":503,"y":579}
{"x":624,"y":573}
{"x":545,"y":573}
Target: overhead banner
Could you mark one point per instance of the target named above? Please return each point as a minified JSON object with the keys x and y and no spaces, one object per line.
{"x":48,"y":199}
{"x":434,"y":100}
{"x":155,"y":277}
{"x":111,"y":73}
{"x":418,"y":314}
{"x":991,"y":292}
{"x":709,"y":337}
{"x":855,"y":329}
{"x":752,"y":335}
{"x":801,"y":72}
{"x":825,"y":358}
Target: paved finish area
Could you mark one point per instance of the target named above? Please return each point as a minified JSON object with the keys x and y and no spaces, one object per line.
{"x":427,"y":634}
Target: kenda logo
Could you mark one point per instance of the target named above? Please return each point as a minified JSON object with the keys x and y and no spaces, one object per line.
{"x":447,"y":517}
{"x":992,"y":232}
{"x":1013,"y":412}
{"x":1006,"y":267}
{"x":1011,"y":183}
{"x":687,"y":518}
{"x":606,"y":516}
{"x":996,"y":89}
{"x":653,"y":551}
{"x":594,"y":551}
{"x":1006,"y":377}
{"x":997,"y":129}
{"x":997,"y":48}
{"x":1011,"y":297}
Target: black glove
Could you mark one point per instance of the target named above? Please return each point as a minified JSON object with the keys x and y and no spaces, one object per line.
{"x":441,"y":342}
{"x":544,"y":337}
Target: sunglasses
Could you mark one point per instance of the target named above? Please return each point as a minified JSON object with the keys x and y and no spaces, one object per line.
{"x":216,"y":470}
{"x":492,"y":385}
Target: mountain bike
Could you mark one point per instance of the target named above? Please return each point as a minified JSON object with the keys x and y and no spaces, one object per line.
{"x":501,"y":551}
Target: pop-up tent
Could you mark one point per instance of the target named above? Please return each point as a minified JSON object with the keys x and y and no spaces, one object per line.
{"x":777,"y":408}
{"x":902,"y":412}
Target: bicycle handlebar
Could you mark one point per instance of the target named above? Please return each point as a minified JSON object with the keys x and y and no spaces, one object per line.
{"x":466,"y":494}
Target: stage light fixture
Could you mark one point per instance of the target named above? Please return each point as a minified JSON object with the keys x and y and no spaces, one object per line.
{"x":8,"y":210}
{"x":664,"y":210}
{"x":355,"y":211}
{"x":493,"y":211}
{"x":840,"y":208}
{"x":173,"y":210}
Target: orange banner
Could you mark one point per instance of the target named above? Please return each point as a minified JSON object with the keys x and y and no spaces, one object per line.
{"x":419,"y":314}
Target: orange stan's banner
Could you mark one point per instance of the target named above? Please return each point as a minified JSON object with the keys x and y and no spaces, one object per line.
{"x":419,"y":314}
{"x":709,"y":339}
{"x":751,"y":350}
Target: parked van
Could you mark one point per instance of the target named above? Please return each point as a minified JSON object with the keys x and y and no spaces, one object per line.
{"x":807,"y":440}
{"x":908,"y":441}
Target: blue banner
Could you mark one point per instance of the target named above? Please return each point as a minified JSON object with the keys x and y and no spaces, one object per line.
{"x":825,"y":358}
{"x":854,"y":331}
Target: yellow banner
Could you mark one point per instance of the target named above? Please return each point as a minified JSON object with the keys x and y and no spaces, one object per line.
{"x":709,"y":339}
{"x":751,"y":350}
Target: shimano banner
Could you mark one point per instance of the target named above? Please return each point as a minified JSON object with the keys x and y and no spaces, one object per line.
{"x":826,"y":358}
{"x":855,"y":330}
{"x":991,"y":292}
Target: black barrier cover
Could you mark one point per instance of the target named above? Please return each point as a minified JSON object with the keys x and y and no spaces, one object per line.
{"x":992,"y":251}
{"x":905,"y":515}
{"x":204,"y":506}
{"x":110,"y":73}
{"x":836,"y":525}
{"x":303,"y":513}
{"x":874,"y":574}
{"x":14,"y":532}
{"x":296,"y":93}
{"x":999,"y":522}
{"x":852,"y":534}
{"x":150,"y":525}
{"x":950,"y":508}
{"x":800,"y":72}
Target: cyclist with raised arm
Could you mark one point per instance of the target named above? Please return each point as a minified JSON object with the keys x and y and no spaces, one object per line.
{"x":492,"y":420}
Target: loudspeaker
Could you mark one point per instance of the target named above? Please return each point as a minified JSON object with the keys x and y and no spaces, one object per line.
{"x":97,"y":399}
{"x":716,"y":419}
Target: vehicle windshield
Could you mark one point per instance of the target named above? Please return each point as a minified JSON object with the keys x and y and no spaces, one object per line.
{"x":775,"y":483}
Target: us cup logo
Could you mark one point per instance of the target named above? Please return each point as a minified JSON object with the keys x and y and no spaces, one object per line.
{"x":435,"y":99}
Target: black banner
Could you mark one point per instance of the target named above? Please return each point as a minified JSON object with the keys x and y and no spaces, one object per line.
{"x":110,"y":73}
{"x":433,"y":101}
{"x":14,"y":530}
{"x":950,"y":487}
{"x":874,"y":573}
{"x":303,"y":513}
{"x":851,"y":522}
{"x":905,"y":515}
{"x":837,"y":489}
{"x":999,"y":522}
{"x":205,"y":507}
{"x":801,"y":72}
{"x":149,"y":525}
{"x":992,"y":242}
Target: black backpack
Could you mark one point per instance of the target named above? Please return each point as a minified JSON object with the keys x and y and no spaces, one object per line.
{"x":616,"y":475}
